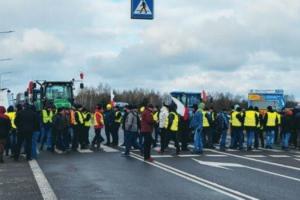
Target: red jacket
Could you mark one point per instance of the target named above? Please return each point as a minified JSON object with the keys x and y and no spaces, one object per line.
{"x":147,"y":122}
{"x":98,"y":117}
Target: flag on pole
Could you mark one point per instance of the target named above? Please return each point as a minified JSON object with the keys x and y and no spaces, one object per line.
{"x":112,"y":97}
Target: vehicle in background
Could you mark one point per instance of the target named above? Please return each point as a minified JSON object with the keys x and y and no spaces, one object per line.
{"x":187,"y":98}
{"x":264,"y":98}
{"x":6,"y":98}
{"x":58,"y":94}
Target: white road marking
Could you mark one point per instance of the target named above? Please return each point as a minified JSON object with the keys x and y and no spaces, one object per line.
{"x":195,"y":179}
{"x":253,"y":159}
{"x":188,"y":156}
{"x":226,"y":165}
{"x":232,"y":150}
{"x":58,"y":151}
{"x":257,"y":150}
{"x":297,"y":156}
{"x":215,"y":155}
{"x":42,"y":182}
{"x":274,"y":150}
{"x":84,"y":151}
{"x":109,"y":149}
{"x":279,"y":156}
{"x":162,"y":156}
{"x":255,"y":156}
{"x":297,"y":159}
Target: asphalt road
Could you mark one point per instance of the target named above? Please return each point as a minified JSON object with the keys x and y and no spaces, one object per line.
{"x":263,"y":174}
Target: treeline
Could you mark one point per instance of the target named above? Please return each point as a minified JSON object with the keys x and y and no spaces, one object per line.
{"x":90,"y":97}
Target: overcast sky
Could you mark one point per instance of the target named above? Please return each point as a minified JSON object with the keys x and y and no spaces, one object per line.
{"x":216,"y":45}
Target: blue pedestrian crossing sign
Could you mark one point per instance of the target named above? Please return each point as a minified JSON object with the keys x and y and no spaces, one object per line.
{"x":142,"y":9}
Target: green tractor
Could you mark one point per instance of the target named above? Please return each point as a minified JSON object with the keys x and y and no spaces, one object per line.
{"x":57,"y":94}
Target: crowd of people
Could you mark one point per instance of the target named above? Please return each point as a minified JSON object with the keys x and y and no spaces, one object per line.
{"x":24,"y":129}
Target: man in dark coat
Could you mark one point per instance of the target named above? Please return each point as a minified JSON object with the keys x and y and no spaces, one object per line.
{"x":25,"y":122}
{"x":5,"y":127}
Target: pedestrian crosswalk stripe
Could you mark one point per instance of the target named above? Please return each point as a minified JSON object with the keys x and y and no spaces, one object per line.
{"x":161,"y":156}
{"x":274,"y":150}
{"x":84,"y":151}
{"x":297,"y":159}
{"x":214,"y":155}
{"x":188,"y":156}
{"x":279,"y":156}
{"x":109,"y":149}
{"x":255,"y":156}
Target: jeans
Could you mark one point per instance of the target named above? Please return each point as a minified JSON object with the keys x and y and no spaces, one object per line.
{"x":27,"y":138}
{"x":250,"y":137}
{"x":174,"y":136}
{"x":163,"y":139}
{"x":237,"y":138}
{"x":285,"y":139}
{"x":223,"y":139}
{"x":156,"y":134}
{"x":198,"y":144}
{"x":270,"y":136}
{"x":35,"y":137}
{"x":207,"y":137}
{"x":46,"y":137}
{"x":129,"y":141}
{"x":98,"y":138}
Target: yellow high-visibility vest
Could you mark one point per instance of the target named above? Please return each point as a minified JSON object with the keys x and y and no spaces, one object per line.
{"x":155,"y":117}
{"x":175,"y":124}
{"x":250,"y":118}
{"x":278,"y":118}
{"x":47,"y":118}
{"x":118,"y":120}
{"x":12,"y":117}
{"x":80,"y":117}
{"x":235,"y":122}
{"x":87,"y":123}
{"x":205,"y":120}
{"x":101,"y":118}
{"x":271,"y":122}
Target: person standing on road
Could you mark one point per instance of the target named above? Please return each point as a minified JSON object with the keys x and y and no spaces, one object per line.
{"x":207,"y":131}
{"x":156,"y":126}
{"x":222,"y":125}
{"x":98,"y":125}
{"x":5,"y":127}
{"x":131,"y":129}
{"x":60,"y":130}
{"x":36,"y":133}
{"x":271,"y":120}
{"x":250,"y":123}
{"x":87,"y":118}
{"x":297,"y":127}
{"x":147,"y":125}
{"x":197,"y":126}
{"x":25,"y":122}
{"x":47,"y":116}
{"x":259,"y":133}
{"x":12,"y":137}
{"x":116,"y":126}
{"x":287,"y":128}
{"x":163,"y":116}
{"x":237,"y":119}
{"x":109,"y":117}
{"x":172,"y":126}
{"x":78,"y":126}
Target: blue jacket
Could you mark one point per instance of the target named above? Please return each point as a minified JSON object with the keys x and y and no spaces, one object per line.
{"x":197,"y":120}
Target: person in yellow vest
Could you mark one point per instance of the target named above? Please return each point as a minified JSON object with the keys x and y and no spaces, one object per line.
{"x":47,"y":117}
{"x":237,"y":119}
{"x":78,"y":129}
{"x":116,"y":126}
{"x":98,"y":125}
{"x":259,"y":134}
{"x":271,"y":120}
{"x":207,"y":131}
{"x":87,"y":118}
{"x":12,"y":138}
{"x":172,"y":126}
{"x":250,"y":124}
{"x":278,"y":132}
{"x":156,"y":126}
